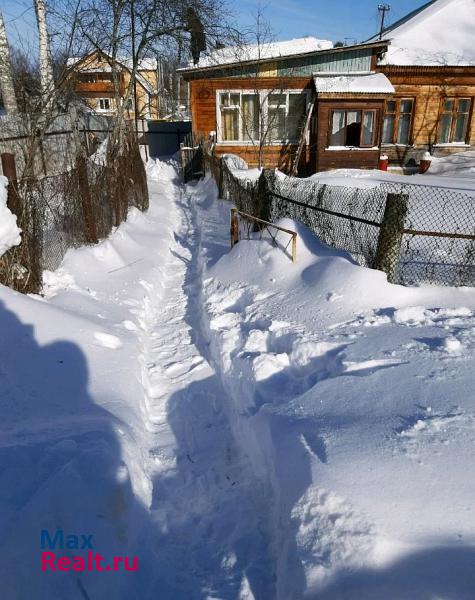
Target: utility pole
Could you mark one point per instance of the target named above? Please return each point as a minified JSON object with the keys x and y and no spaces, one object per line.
{"x":383,"y":9}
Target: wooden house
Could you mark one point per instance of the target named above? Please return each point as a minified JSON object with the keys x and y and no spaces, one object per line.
{"x":270,"y":104}
{"x":91,"y":79}
{"x":403,"y":95}
{"x":431,"y":63}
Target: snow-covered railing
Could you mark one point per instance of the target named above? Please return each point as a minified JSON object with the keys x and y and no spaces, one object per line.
{"x":415,"y":233}
{"x":262,"y":226}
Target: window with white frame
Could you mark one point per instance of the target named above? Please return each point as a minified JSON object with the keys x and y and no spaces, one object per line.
{"x":104,"y":104}
{"x":352,"y":128}
{"x":273,"y":116}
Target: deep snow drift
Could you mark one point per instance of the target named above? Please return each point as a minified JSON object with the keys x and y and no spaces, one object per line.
{"x":245,"y":426}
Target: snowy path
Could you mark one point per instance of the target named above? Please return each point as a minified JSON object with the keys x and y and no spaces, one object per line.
{"x":205,"y":501}
{"x":249,"y":428}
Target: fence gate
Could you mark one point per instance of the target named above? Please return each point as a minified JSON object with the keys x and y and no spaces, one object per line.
{"x":191,"y":157}
{"x":164,"y":137}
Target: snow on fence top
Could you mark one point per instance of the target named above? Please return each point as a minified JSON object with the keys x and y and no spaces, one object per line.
{"x":236,"y":54}
{"x":376,"y":83}
{"x":439,"y":34}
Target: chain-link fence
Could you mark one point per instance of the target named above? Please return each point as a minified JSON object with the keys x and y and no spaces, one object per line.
{"x":79,"y":206}
{"x":415,"y":233}
{"x":49,"y":145}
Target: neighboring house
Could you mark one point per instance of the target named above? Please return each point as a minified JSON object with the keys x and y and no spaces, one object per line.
{"x":257,"y":100}
{"x":91,"y":78}
{"x":431,"y":63}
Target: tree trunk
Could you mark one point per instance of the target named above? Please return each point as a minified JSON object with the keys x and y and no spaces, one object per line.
{"x":6,"y":77}
{"x":46,"y":64}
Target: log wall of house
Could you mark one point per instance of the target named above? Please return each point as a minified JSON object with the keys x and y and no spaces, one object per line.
{"x":91,"y":91}
{"x":204,"y":117}
{"x":428,"y":86}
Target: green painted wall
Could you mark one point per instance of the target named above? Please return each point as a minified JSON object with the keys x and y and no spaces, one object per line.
{"x":340,"y":62}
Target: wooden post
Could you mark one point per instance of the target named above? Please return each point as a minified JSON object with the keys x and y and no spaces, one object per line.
{"x":9,"y":171}
{"x":265,"y":187}
{"x":294,"y":247}
{"x":86,"y":202}
{"x":182,"y":161}
{"x":390,"y":235}
{"x":234,"y":227}
{"x":221,"y":165}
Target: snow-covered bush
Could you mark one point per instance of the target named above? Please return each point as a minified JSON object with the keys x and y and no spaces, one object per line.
{"x":235,"y":162}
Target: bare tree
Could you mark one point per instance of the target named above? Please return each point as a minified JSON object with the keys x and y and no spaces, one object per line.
{"x":139,"y":29}
{"x":6,"y":77}
{"x":45,"y":60}
{"x":270,"y":115}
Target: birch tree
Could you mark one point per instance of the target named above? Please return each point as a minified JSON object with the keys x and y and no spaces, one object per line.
{"x":6,"y":78}
{"x":45,"y":60}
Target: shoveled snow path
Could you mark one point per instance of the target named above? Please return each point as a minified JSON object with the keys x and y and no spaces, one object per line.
{"x":209,"y":511}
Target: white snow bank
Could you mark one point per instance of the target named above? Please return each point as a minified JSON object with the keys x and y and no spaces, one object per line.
{"x":9,"y":232}
{"x":240,"y":168}
{"x":457,"y":165}
{"x":235,"y":162}
{"x":368,"y":178}
{"x":353,"y":400}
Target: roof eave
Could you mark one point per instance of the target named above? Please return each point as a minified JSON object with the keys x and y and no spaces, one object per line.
{"x":192,"y":70}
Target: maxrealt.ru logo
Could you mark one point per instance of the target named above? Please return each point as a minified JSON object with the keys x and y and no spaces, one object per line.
{"x":88,"y":560}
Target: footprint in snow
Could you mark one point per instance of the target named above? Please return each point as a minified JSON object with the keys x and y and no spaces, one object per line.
{"x":129,"y":325}
{"x":106,"y":340}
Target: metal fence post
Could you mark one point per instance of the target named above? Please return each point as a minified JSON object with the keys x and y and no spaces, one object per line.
{"x":221,"y":163}
{"x":265,"y":187}
{"x":234,"y":227}
{"x":390,"y":235}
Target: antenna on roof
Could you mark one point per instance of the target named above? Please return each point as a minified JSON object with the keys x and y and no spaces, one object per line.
{"x":383,"y":9}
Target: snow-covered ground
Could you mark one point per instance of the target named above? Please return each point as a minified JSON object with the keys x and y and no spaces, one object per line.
{"x":245,"y":426}
{"x":461,"y":164}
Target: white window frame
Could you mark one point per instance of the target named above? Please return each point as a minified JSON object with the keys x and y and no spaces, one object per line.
{"x":263,"y":103}
{"x":110,"y":109}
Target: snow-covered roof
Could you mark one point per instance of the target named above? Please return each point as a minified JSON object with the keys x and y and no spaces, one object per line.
{"x":146,"y":64}
{"x":265,"y":51}
{"x":371,"y":83}
{"x":440,"y":33}
{"x":143,"y":65}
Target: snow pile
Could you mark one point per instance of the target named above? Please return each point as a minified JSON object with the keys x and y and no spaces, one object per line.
{"x":245,"y":426}
{"x":352,"y":399}
{"x":9,"y":232}
{"x":457,"y":165}
{"x":439,"y":34}
{"x":234,"y":161}
{"x":236,"y":54}
{"x":370,"y":178}
{"x":240,"y":169}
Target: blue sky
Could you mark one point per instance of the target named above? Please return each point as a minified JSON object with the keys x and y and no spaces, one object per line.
{"x":333,"y":20}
